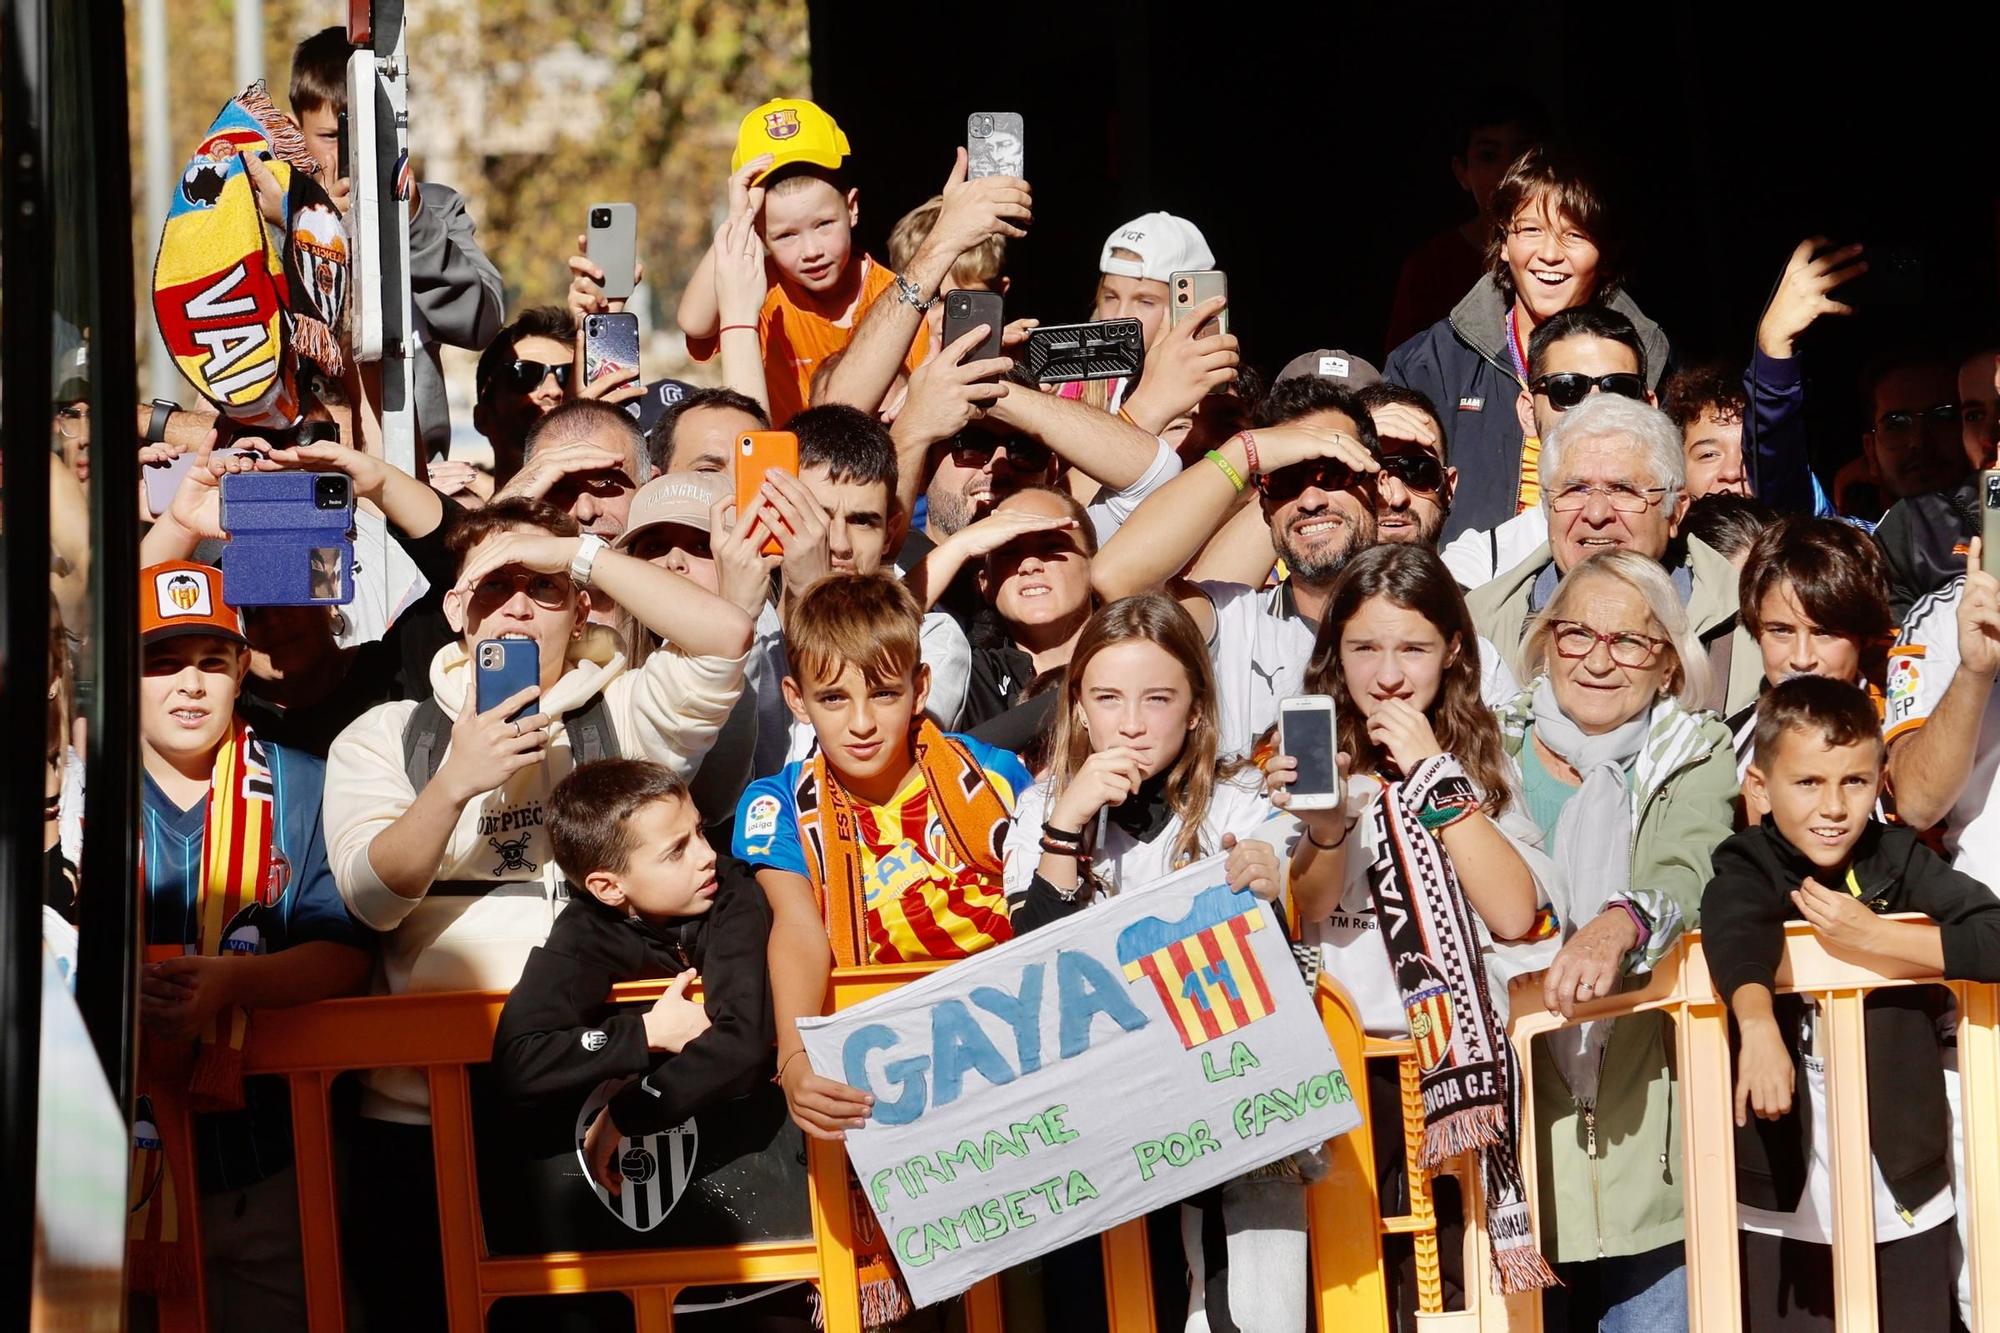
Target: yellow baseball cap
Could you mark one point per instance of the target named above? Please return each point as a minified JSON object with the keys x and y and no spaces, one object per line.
{"x":792,"y":130}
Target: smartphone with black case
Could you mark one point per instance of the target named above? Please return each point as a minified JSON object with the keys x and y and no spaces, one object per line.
{"x":610,"y":345}
{"x":1189,"y":290}
{"x":996,"y":144}
{"x":1989,"y":521}
{"x":965,"y":311}
{"x":614,"y":246}
{"x":291,"y":539}
{"x":501,"y":669}
{"x":1066,"y":353}
{"x":1306,"y":732}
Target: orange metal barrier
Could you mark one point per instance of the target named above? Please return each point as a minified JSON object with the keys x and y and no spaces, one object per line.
{"x":445,"y":1033}
{"x":1839,"y":982}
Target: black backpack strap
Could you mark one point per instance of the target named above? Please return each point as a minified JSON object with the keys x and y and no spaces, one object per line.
{"x":425,"y":736}
{"x":591,"y":735}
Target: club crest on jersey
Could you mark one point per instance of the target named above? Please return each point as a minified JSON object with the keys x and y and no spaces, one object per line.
{"x":656,"y":1168}
{"x":781,"y":124}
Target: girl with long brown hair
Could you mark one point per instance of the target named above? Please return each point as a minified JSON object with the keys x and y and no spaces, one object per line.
{"x":1136,"y":792}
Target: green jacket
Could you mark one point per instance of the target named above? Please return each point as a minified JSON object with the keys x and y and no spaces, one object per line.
{"x":1610,"y":1179}
{"x":1500,"y":611}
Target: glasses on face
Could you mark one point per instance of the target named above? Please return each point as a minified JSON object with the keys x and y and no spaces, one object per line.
{"x":1899,"y":428}
{"x":1627,"y":648}
{"x":546,"y":590}
{"x":523,"y":376}
{"x":1624,"y":497}
{"x":1418,"y":472}
{"x":1565,"y":389}
{"x":1328,"y":474}
{"x":73,"y":421}
{"x":971,"y":451}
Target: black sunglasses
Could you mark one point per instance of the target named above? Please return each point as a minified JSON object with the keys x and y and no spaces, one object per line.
{"x":1568,"y":388}
{"x":1419,"y":472}
{"x":1289,"y":483}
{"x":524,"y":376}
{"x":971,"y":449}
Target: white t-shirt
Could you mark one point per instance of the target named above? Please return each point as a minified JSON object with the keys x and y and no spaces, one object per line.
{"x":783,"y":739}
{"x":1479,"y":556}
{"x":1920,"y":670}
{"x":1260,"y":659}
{"x":1350,"y":939}
{"x":1238,"y":806}
{"x":1813,"y":1219}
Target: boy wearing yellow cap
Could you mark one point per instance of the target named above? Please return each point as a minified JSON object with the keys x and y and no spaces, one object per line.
{"x":786,"y":173}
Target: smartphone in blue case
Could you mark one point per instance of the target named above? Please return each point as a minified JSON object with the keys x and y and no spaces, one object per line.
{"x":501,"y":669}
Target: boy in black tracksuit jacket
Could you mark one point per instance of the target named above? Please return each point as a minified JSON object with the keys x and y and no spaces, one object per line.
{"x":1819,"y":856}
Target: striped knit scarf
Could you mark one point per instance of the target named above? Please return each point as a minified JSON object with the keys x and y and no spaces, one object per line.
{"x":1471,"y":1085}
{"x":975,"y":822}
{"x":236,"y":875}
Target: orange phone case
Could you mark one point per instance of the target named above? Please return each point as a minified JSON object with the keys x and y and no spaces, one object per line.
{"x":758,"y":452}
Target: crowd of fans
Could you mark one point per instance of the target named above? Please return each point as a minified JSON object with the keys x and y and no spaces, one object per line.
{"x":997,"y":651}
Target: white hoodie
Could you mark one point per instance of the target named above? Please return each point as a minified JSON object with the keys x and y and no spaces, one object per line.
{"x":669,"y":711}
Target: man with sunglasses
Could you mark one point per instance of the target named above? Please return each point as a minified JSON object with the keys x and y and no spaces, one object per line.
{"x":522,"y":376}
{"x":1614,"y":476}
{"x":1575,"y":353}
{"x":1413,"y":489}
{"x":977,"y":447}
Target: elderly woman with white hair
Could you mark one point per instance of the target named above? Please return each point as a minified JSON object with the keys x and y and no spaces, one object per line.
{"x":1613,"y":476}
{"x":1632,"y":788}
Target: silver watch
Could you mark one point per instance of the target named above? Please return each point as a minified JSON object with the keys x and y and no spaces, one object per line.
{"x":585,"y":557}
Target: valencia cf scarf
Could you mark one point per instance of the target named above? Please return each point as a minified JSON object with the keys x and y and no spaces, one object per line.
{"x":1466,"y":1067}
{"x":975,"y":822}
{"x":961,"y":799}
{"x":240,"y":300}
{"x":237,"y":877}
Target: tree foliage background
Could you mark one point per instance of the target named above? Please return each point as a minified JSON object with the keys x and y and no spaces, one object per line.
{"x":532,"y":109}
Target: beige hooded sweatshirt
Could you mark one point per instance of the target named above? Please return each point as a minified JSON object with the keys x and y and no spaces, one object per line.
{"x":669,"y":711}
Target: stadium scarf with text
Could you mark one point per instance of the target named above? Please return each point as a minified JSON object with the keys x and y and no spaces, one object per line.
{"x":236,"y":875}
{"x":974,"y":819}
{"x":1470,"y":1082}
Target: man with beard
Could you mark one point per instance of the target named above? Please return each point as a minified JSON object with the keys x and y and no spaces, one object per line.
{"x":1312,"y":461}
{"x":1413,"y":489}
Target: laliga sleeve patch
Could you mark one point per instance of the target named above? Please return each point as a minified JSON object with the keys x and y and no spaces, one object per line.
{"x":761,"y":820}
{"x":595,"y":1039}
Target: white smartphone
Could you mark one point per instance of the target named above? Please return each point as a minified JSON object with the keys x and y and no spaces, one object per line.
{"x":1306,"y":733}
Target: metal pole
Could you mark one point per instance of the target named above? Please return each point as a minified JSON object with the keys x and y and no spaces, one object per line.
{"x":162,"y":381}
{"x":249,"y":42}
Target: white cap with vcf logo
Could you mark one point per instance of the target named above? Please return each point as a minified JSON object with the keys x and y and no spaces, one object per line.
{"x":1165,"y":244}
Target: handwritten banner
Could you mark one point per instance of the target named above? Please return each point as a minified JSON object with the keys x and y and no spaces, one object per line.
{"x":1134,"y":1054}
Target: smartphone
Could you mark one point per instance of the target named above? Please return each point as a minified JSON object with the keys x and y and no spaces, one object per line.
{"x":1067,"y":353}
{"x":291,"y":539}
{"x":163,"y":479}
{"x":1190,"y":289}
{"x":759,"y":452}
{"x":996,"y":144}
{"x":343,"y":159}
{"x":1989,"y":521}
{"x":965,"y":311}
{"x":614,"y":246}
{"x":1306,"y":733}
{"x":501,"y":669}
{"x":610,"y":345}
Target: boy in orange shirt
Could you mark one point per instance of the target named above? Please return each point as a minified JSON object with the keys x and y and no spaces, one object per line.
{"x":786,"y":171}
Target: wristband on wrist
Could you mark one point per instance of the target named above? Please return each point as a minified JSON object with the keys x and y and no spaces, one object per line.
{"x":1228,"y":469}
{"x":728,"y":327}
{"x":1050,"y":833}
{"x":1250,"y":450}
{"x":1639,"y":922}
{"x":779,"y":1077}
{"x":912,"y":295}
{"x":1449,"y":799}
{"x":156,"y":424}
{"x":1337,"y":842}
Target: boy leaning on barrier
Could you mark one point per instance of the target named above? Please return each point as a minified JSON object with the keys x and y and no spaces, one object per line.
{"x":1818,"y":855}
